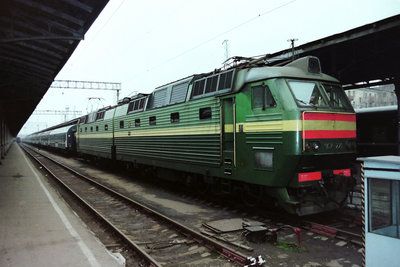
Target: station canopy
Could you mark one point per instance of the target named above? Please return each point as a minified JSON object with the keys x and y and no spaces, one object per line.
{"x":36,"y":40}
{"x":364,"y":54}
{"x":38,"y":37}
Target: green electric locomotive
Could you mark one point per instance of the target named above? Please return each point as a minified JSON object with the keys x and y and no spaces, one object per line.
{"x":284,"y":133}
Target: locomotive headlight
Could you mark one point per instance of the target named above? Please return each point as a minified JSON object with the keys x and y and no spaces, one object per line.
{"x":316,"y":146}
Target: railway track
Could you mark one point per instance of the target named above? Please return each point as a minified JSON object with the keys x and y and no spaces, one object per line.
{"x":337,"y":227}
{"x":155,"y":238}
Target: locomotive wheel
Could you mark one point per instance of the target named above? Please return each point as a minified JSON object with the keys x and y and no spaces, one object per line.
{"x":251,"y":195}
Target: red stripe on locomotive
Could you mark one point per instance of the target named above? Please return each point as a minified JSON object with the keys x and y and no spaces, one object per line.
{"x":329,"y":117}
{"x":326,"y":134}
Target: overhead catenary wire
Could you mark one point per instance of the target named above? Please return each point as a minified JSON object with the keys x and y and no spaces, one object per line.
{"x":225,"y":32}
{"x":218,"y":35}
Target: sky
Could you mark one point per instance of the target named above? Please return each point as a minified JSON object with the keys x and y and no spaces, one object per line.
{"x":145,"y":44}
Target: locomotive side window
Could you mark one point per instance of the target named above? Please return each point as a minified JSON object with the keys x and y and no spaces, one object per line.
{"x":175,"y":117}
{"x":80,"y":129}
{"x":262,"y":97}
{"x":85,"y":129}
{"x":152,"y":120}
{"x":106,"y":127}
{"x":198,"y":88}
{"x":211,"y":84}
{"x":205,"y":113}
{"x":97,"y":128}
{"x":121,"y":124}
{"x":225,"y":80}
{"x":137,"y":123}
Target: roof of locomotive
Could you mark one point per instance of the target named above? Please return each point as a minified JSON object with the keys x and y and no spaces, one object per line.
{"x":299,"y":69}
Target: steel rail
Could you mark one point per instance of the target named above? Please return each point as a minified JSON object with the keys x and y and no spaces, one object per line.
{"x":141,"y":252}
{"x":223,"y":250}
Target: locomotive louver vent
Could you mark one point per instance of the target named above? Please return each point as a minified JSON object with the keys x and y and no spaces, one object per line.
{"x":179,"y":92}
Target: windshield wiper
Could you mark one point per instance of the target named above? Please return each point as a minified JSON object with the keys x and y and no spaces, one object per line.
{"x":305,"y":103}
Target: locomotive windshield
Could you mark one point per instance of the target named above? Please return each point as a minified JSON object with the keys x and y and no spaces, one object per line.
{"x":307,"y":93}
{"x":336,"y":96}
{"x":319,"y":95}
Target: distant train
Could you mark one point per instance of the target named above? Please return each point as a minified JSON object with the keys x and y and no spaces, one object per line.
{"x":284,"y":133}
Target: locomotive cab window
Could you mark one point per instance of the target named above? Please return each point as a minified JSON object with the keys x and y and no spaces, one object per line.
{"x":262,"y":97}
{"x":205,"y":113}
{"x":336,"y":96}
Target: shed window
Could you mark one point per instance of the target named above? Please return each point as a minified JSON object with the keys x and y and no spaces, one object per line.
{"x":384,"y":207}
{"x":205,"y":113}
{"x":152,"y":120}
{"x":175,"y":117}
{"x":121,"y":124}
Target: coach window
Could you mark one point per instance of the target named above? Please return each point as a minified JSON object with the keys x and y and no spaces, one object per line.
{"x":205,"y":113}
{"x":137,"y":122}
{"x":152,"y":120}
{"x":262,"y":97}
{"x":80,"y":129}
{"x":106,"y":127}
{"x":85,"y":129}
{"x":175,"y":117}
{"x":121,"y":124}
{"x":91,"y":128}
{"x":97,"y":128}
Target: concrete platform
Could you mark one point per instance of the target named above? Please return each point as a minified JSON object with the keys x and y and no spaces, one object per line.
{"x":37,"y":228}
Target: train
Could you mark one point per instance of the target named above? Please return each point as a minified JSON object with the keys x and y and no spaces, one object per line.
{"x":280,"y":135}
